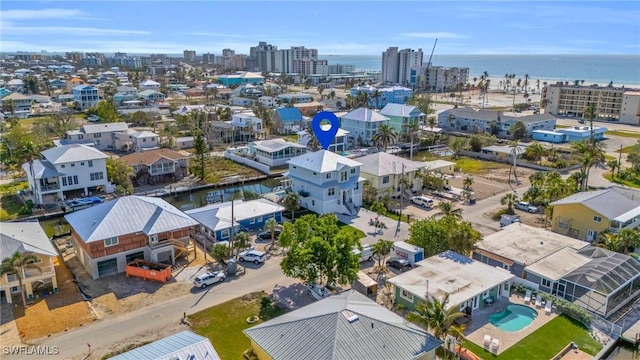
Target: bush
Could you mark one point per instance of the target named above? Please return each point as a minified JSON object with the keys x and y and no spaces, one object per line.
{"x":502,"y":212}
{"x":562,"y":305}
{"x":559,"y":164}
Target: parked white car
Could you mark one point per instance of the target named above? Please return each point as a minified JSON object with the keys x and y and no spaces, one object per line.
{"x":422,"y":201}
{"x":523,"y":205}
{"x":208,"y":278}
{"x":254,"y":256}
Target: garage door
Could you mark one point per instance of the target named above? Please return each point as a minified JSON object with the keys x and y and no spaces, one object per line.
{"x":164,"y":257}
{"x":138,"y":255}
{"x":107,"y":267}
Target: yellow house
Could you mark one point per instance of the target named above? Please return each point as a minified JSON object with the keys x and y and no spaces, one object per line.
{"x":27,"y":238}
{"x":384,"y":172}
{"x":586,"y":215}
{"x":344,"y":326}
{"x":441,"y":166}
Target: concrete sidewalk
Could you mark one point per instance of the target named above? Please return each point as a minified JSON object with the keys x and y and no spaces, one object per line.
{"x":361,"y":222}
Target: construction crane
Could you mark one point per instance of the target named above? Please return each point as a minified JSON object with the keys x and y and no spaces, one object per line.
{"x":426,"y":72}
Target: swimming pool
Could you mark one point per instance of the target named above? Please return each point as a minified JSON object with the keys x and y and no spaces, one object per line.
{"x":513,"y":318}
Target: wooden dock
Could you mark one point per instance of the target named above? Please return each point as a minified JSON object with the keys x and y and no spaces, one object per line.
{"x":632,"y":334}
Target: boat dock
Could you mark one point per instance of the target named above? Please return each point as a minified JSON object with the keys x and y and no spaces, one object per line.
{"x":632,"y":334}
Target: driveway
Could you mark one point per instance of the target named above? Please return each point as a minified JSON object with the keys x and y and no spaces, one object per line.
{"x":361,"y":222}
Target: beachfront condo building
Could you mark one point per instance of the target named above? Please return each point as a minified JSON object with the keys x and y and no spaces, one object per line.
{"x":397,"y":64}
{"x":618,"y":104}
{"x":439,"y":78}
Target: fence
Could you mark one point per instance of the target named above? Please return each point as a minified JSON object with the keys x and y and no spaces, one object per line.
{"x":606,"y":326}
{"x":250,"y":163}
{"x":519,"y":162}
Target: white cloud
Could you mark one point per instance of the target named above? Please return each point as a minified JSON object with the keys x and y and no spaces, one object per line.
{"x":434,"y":35}
{"x":9,"y":29}
{"x":41,"y":14}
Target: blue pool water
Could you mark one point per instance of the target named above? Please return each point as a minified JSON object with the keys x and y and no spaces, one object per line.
{"x":513,"y":318}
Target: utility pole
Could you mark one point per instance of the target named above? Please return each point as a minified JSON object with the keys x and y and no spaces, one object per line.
{"x":401,"y":201}
{"x":619,"y":159}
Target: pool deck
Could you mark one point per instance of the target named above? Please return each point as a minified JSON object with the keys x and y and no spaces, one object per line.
{"x":480,"y":325}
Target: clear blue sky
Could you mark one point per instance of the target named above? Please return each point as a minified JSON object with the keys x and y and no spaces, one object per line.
{"x":354,"y":28}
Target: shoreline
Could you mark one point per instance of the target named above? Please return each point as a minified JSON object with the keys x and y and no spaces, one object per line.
{"x":495,"y":82}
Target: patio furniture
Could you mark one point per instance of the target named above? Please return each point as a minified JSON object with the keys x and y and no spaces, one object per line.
{"x":547,"y":307}
{"x":487,"y":340}
{"x":538,"y":301}
{"x":495,"y":344}
{"x":527,"y":296}
{"x":488,"y":300}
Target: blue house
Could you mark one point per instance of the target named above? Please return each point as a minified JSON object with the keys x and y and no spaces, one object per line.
{"x":388,"y":95}
{"x":4,"y":92}
{"x":215,"y":219}
{"x":57,"y":84}
{"x":85,"y":96}
{"x":548,"y":136}
{"x":289,"y":119}
{"x":579,"y":133}
{"x":242,"y":77}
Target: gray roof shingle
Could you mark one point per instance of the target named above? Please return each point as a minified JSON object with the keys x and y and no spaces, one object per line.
{"x":344,"y":326}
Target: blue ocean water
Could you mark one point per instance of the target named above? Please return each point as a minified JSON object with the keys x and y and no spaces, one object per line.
{"x":621,"y":69}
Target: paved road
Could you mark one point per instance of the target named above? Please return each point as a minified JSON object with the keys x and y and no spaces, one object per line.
{"x":122,"y":329}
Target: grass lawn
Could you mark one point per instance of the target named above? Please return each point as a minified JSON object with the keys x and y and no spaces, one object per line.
{"x":545,"y":342}
{"x":623,"y":134}
{"x":13,"y":187}
{"x":10,"y":207}
{"x":630,"y":183}
{"x":348,"y":228}
{"x":223,"y":324}
{"x":290,"y":137}
{"x":424,"y":155}
{"x":626,"y":150}
{"x":475,"y":166}
{"x":562,"y":126}
{"x":222,"y":167}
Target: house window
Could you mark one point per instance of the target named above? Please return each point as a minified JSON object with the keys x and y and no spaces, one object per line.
{"x":313,"y":203}
{"x":144,"y":140}
{"x":506,"y":267}
{"x":406,"y":295}
{"x":73,"y":165}
{"x":62,"y":166}
{"x":97,"y":176}
{"x":485,"y":294}
{"x":90,"y":162}
{"x":75,"y":179}
{"x":97,"y":135}
{"x":315,"y":173}
{"x":331,"y":191}
{"x":224,"y":234}
{"x":80,"y":137}
{"x":343,"y":176}
{"x":82,"y":164}
{"x":252,"y":221}
{"x":385,"y":180}
{"x":328,"y":175}
{"x":64,"y":181}
{"x":353,"y":171}
{"x":112,"y":241}
{"x":545,"y":282}
{"x":357,"y":186}
{"x":597,"y":219}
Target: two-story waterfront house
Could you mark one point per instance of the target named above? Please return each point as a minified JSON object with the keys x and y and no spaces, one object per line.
{"x":326,"y":182}
{"x":27,"y":238}
{"x":401,"y":116}
{"x":107,"y":237}
{"x":85,"y":96}
{"x":362,"y":124}
{"x":67,"y":168}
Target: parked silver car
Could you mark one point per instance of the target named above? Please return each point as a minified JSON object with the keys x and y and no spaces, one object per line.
{"x":254,"y":256}
{"x":208,"y":278}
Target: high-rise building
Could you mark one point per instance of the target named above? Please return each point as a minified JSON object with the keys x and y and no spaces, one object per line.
{"x":208,"y":59}
{"x":96,"y":55}
{"x":189,"y":55}
{"x":74,"y":56}
{"x":262,"y":57}
{"x":396,"y":65}
{"x":283,"y":61}
{"x":439,"y":78}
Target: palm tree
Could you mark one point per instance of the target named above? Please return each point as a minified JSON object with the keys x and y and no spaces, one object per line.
{"x":447,"y":209}
{"x":272,"y":226}
{"x":380,"y":250}
{"x":15,"y":264}
{"x":610,"y":242}
{"x":412,"y":129}
{"x":385,"y":136}
{"x":509,"y":199}
{"x":291,"y":202}
{"x":535,"y":152}
{"x":376,"y":96}
{"x":457,"y":144}
{"x":592,"y":154}
{"x":435,"y":315}
{"x":28,"y":154}
{"x":467,"y":182}
{"x":590,"y":113}
{"x":613,"y":164}
{"x":241,"y":241}
{"x":624,"y":241}
{"x":313,"y":144}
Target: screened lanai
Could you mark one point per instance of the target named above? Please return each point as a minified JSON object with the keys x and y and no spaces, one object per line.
{"x":604,"y":284}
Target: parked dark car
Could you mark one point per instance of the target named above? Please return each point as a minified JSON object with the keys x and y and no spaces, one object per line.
{"x":266,"y":235}
{"x":400,"y":264}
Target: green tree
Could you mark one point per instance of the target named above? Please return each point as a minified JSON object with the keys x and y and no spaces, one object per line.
{"x":509,"y":200}
{"x":200,"y":158}
{"x":314,"y":143}
{"x":385,"y":136}
{"x":467,"y":182}
{"x":220,"y":252}
{"x":369,"y":193}
{"x":457,"y":144}
{"x":12,"y":141}
{"x":590,"y":113}
{"x":291,"y":203}
{"x":447,"y":209}
{"x":413,"y":128}
{"x":476,"y":143}
{"x":106,"y":111}
{"x":15,"y":264}
{"x":518,"y":131}
{"x":437,"y":316}
{"x":319,"y":250}
{"x":120,"y":174}
{"x":379,"y":208}
{"x":613,"y":164}
{"x":272,"y":226}
{"x":436,"y":235}
{"x":241,"y":241}
{"x":535,"y":152}
{"x":380,"y":250}
{"x":624,"y":241}
{"x":589,"y":154}
{"x":28,"y":154}
{"x":610,"y":242}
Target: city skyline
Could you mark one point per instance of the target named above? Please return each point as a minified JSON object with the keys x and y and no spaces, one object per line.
{"x":461,"y":27}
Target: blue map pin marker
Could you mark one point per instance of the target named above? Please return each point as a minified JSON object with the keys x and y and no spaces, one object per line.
{"x":325,"y":137}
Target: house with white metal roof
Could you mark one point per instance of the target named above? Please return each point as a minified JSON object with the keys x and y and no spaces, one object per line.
{"x":149,"y":85}
{"x":107,"y":237}
{"x":362,"y":124}
{"x":64,"y":170}
{"x":102,"y":134}
{"x":341,"y":327}
{"x":183,"y":345}
{"x":275,"y":152}
{"x":384,"y":172}
{"x":135,"y":140}
{"x":587,"y":214}
{"x":15,"y":104}
{"x":400,"y":116}
{"x":466,"y":281}
{"x":339,"y":144}
{"x":326,"y":182}
{"x":27,"y":238}
{"x":215,"y":219}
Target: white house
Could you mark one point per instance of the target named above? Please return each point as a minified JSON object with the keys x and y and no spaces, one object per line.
{"x":362,"y":124}
{"x":241,"y":101}
{"x":268,"y":101}
{"x":102,"y":135}
{"x":275,"y":152}
{"x":326,"y":182}
{"x":67,"y":168}
{"x":183,"y":142}
{"x":151,"y":96}
{"x":494,"y":122}
{"x":136,"y":140}
{"x":85,"y":96}
{"x":149,"y":85}
{"x":339,"y":144}
{"x":248,"y":124}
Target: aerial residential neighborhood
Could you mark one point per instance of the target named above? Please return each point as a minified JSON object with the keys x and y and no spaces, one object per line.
{"x":218,"y":197}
